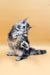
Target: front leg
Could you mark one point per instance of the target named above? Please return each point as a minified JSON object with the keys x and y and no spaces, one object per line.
{"x":25,"y":45}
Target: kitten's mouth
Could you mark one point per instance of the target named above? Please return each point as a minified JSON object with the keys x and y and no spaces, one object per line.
{"x":23,"y":32}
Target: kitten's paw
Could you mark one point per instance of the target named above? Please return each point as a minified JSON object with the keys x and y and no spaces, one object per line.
{"x":18,"y":58}
{"x":10,"y":54}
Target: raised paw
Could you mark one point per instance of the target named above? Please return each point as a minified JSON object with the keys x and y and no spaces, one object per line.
{"x":18,"y":58}
{"x":10,"y":54}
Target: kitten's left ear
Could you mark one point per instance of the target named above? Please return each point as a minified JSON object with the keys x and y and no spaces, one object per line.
{"x":31,"y":26}
{"x":25,"y":21}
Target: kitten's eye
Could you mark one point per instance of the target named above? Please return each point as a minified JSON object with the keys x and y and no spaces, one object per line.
{"x":23,"y":26}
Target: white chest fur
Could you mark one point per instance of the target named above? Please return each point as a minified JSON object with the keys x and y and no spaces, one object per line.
{"x":14,"y":42}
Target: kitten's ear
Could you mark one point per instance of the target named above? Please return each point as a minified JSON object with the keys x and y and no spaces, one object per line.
{"x":25,"y":21}
{"x":31,"y":26}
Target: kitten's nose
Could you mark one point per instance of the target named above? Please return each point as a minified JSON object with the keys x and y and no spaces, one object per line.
{"x":10,"y":36}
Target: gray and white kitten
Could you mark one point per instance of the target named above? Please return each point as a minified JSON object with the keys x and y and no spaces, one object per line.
{"x":18,"y":41}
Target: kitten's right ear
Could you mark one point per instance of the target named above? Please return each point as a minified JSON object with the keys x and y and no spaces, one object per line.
{"x":25,"y":21}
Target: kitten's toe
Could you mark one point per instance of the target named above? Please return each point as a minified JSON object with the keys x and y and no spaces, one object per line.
{"x":9,"y":54}
{"x":18,"y":58}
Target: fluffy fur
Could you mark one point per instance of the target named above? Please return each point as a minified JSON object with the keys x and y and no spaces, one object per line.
{"x":18,"y":41}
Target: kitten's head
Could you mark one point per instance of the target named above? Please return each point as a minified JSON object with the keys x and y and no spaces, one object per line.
{"x":20,"y":28}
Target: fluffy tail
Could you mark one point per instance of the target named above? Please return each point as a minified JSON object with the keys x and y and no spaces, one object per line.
{"x":32,"y":51}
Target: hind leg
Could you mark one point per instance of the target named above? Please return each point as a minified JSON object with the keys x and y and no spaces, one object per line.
{"x":21,"y":57}
{"x":10,"y":53}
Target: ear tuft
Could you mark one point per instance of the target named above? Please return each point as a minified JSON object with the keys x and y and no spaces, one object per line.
{"x":25,"y":20}
{"x":31,"y":26}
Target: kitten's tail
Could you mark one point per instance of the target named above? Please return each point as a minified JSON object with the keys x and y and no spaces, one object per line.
{"x":32,"y":51}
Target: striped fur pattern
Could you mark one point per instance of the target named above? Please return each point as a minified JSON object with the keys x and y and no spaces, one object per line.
{"x":18,"y":41}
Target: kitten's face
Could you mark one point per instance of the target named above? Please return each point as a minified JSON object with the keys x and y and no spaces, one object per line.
{"x":20,"y":28}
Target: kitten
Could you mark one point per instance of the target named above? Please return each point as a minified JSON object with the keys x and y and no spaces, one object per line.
{"x":18,"y":41}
